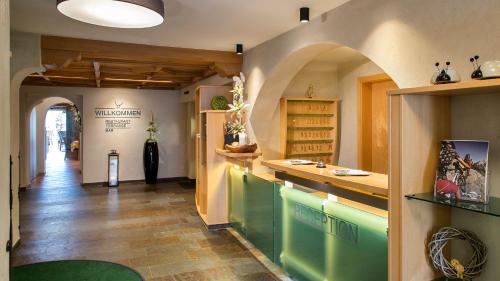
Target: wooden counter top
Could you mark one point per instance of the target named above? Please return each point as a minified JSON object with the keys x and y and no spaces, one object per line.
{"x":374,"y":183}
{"x":227,"y":153}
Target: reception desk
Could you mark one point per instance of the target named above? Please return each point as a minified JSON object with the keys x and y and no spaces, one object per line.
{"x":296,"y":220}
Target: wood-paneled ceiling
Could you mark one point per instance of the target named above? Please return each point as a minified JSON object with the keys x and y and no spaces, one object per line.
{"x":89,"y":63}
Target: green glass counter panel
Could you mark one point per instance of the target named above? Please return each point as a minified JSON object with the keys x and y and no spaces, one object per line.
{"x":278,"y":219}
{"x":303,"y":237}
{"x":236,"y":197}
{"x":317,"y":239}
{"x":258,"y":214}
{"x":355,"y":237}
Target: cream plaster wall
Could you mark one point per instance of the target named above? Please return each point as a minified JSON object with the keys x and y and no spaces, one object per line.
{"x":348,"y":89}
{"x":322,"y":75}
{"x":4,"y":135}
{"x":26,"y":59}
{"x":403,"y":37}
{"x":170,"y":118}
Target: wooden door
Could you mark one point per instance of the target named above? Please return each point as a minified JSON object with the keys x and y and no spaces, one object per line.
{"x":373,"y":124}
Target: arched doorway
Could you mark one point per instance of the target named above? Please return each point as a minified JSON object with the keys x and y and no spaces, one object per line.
{"x":335,"y":71}
{"x":54,"y":142}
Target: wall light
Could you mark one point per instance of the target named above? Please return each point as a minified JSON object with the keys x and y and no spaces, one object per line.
{"x":239,"y":49}
{"x":115,"y":13}
{"x":304,"y":14}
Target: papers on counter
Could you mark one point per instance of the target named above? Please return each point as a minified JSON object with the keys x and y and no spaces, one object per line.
{"x":350,"y":172}
{"x":298,"y":162}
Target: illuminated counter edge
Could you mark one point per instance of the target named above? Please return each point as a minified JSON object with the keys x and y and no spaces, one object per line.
{"x":352,"y":188}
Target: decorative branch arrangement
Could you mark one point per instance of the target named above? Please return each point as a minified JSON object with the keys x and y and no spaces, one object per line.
{"x":237,"y":126}
{"x":152,"y":130}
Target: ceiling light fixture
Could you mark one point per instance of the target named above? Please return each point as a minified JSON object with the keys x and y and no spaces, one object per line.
{"x":304,"y":14}
{"x":239,"y":49}
{"x":115,"y":13}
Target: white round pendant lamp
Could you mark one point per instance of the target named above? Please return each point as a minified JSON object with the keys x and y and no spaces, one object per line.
{"x":115,"y":13}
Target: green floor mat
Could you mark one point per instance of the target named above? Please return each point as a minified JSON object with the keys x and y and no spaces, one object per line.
{"x":74,"y":270}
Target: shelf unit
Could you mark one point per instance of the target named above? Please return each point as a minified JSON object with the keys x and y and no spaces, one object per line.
{"x":210,"y":166}
{"x":309,"y":129}
{"x":419,"y":119}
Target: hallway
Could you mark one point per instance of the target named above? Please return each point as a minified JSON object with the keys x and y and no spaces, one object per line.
{"x":59,"y":172}
{"x":153,"y":229}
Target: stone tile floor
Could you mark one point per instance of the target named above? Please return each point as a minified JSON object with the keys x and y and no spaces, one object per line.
{"x":153,"y":229}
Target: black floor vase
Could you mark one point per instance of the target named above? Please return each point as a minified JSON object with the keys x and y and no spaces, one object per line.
{"x":150,"y":161}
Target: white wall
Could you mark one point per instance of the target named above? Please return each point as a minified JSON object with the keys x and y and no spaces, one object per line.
{"x":4,"y":135}
{"x":169,"y":115}
{"x":170,"y":119}
{"x":403,"y":37}
{"x":32,"y":144}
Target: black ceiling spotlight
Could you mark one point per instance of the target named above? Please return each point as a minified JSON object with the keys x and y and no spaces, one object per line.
{"x":304,"y":14}
{"x":239,"y":49}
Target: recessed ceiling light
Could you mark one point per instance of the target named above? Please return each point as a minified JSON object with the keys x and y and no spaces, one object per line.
{"x":304,"y":14}
{"x":115,"y":13}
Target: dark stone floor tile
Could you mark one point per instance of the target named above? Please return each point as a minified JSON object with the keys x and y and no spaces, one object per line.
{"x":153,"y":229}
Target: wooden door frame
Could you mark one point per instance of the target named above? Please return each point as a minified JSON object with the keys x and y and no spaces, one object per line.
{"x":364,"y":87}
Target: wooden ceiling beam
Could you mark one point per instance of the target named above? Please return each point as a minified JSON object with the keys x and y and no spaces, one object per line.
{"x":138,"y":52}
{"x":226,"y":69}
{"x":97,"y":74}
{"x":100,"y":64}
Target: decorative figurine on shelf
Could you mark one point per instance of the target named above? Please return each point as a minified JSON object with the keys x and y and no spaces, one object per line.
{"x":445,"y":75}
{"x":477,"y":73}
{"x":237,"y":126}
{"x":151,"y":156}
{"x":491,"y":69}
{"x":310,"y":91}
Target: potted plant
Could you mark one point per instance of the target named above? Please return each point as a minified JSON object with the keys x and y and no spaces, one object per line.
{"x":151,"y":156}
{"x":236,"y":127}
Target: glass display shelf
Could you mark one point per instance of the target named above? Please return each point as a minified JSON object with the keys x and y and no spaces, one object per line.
{"x":492,"y":208}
